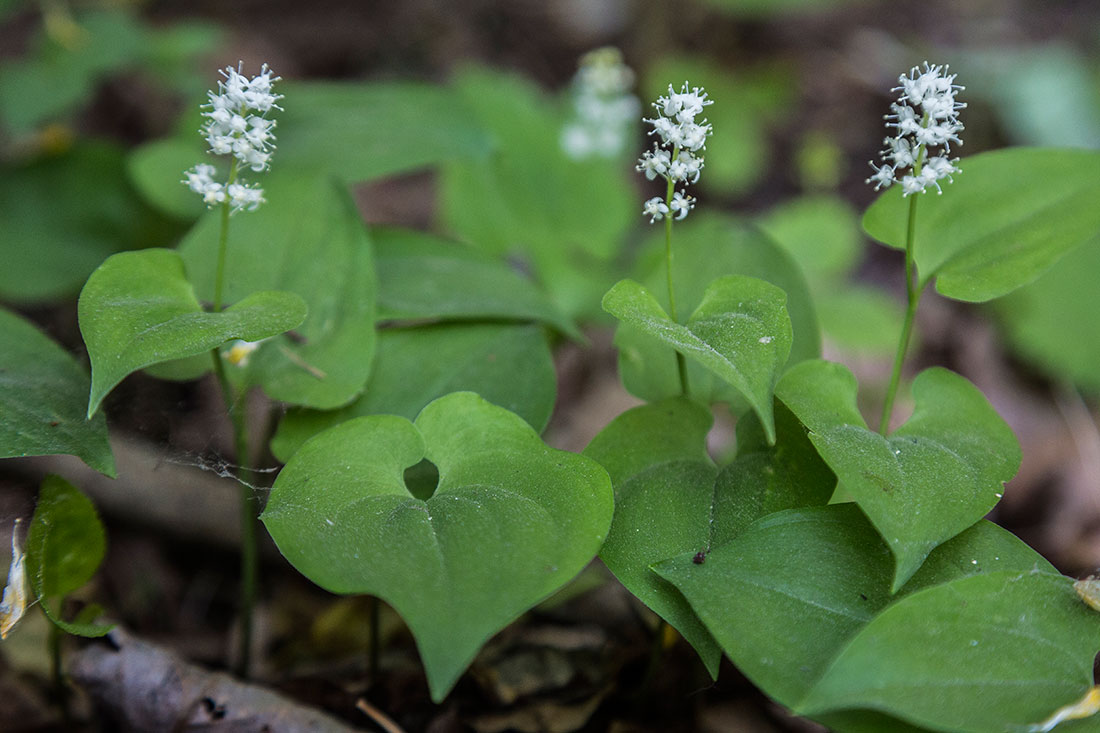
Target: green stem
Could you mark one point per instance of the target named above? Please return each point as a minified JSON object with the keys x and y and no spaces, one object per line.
{"x":681,"y":363}
{"x":912,"y":292}
{"x":238,"y":415}
{"x":223,"y":242}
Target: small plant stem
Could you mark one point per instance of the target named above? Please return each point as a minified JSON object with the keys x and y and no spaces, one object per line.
{"x":681,"y":363}
{"x":912,"y":292}
{"x":656,"y":652}
{"x":238,"y":415}
{"x":223,"y":242}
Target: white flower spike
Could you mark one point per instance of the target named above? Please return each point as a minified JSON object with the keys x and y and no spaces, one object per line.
{"x":925,"y":116}
{"x":677,"y":157}
{"x":236,"y":125}
{"x":604,"y":110}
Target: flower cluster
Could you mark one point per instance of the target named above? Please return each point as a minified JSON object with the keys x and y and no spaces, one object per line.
{"x":677,"y":157}
{"x":236,"y":125}
{"x":604,"y":110}
{"x":925,"y":118}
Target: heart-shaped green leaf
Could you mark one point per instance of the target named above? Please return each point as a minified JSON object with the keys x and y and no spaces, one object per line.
{"x":983,"y":654}
{"x":138,"y":308}
{"x":704,"y":248}
{"x":1007,"y":217}
{"x":670,"y":499}
{"x":65,"y":545}
{"x":943,"y":470}
{"x":509,"y":365}
{"x":788,"y":597}
{"x":740,"y":331}
{"x":510,"y":521}
{"x":43,"y":399}
{"x":307,"y":239}
{"x":423,"y":276}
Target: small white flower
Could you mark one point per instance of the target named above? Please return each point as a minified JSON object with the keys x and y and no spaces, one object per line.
{"x":655,"y":209}
{"x":882,"y":177}
{"x":13,"y":604}
{"x":676,"y":157}
{"x":924,"y":117}
{"x":235,"y":125}
{"x":240,"y":351}
{"x":604,"y":110}
{"x":682,"y":204}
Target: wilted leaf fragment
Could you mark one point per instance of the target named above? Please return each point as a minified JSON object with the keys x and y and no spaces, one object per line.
{"x":138,"y":309}
{"x":510,"y":521}
{"x":14,"y":602}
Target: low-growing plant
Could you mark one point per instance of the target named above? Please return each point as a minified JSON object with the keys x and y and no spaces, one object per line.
{"x":845,"y":569}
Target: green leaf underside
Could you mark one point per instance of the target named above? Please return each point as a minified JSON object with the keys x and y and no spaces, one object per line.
{"x":671,"y":499}
{"x":139,"y":309}
{"x":307,"y":239}
{"x":509,"y":365}
{"x":703,"y":249}
{"x":87,"y":629}
{"x":65,"y":540}
{"x":1009,"y":215}
{"x":421,"y":276}
{"x":740,"y":331}
{"x":43,"y":400}
{"x":510,"y":521}
{"x":943,"y":470}
{"x":801,"y":603}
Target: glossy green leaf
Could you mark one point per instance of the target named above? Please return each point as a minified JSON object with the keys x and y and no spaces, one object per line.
{"x":567,"y":218}
{"x":510,"y":521}
{"x":664,"y":488}
{"x":988,"y":653}
{"x":740,"y":331}
{"x":1009,"y":215}
{"x":782,"y":598}
{"x":509,"y":365}
{"x":936,"y":475}
{"x":63,"y":215}
{"x":138,"y":308}
{"x":1047,"y":321}
{"x":307,"y":239}
{"x":361,"y":132}
{"x":786,"y":598}
{"x":670,"y":499}
{"x":65,"y":540}
{"x":705,"y":247}
{"x":44,"y":398}
{"x":421,"y":276}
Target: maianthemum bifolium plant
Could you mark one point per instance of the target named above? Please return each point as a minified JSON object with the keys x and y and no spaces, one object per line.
{"x":848,"y":572}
